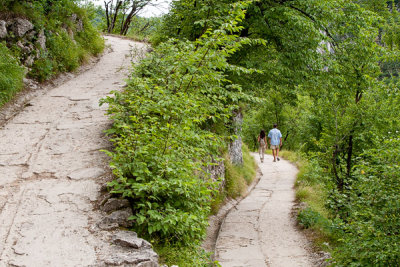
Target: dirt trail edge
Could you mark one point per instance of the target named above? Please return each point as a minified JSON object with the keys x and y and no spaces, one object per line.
{"x":260,"y":230}
{"x":51,"y":169}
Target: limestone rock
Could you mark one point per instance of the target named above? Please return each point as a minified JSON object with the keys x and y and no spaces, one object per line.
{"x":79,"y":25}
{"x":235,"y":147}
{"x":30,"y":83}
{"x":29,"y":61}
{"x":107,"y":226}
{"x":77,"y":21}
{"x":3,"y":29}
{"x":119,"y":217}
{"x":127,"y":239}
{"x":147,"y":264}
{"x":113,"y":204}
{"x":42,"y":40}
{"x":30,"y":35}
{"x":146,"y":258}
{"x":21,"y":26}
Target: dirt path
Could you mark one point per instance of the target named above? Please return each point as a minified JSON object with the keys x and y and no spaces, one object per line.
{"x":260,"y":230}
{"x":50,"y":169}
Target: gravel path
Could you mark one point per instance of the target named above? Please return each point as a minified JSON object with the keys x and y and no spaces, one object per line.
{"x":260,"y":230}
{"x":50,"y":169}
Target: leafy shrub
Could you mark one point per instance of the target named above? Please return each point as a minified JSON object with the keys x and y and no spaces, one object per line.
{"x":64,"y":51}
{"x":11,"y":75}
{"x":160,"y":133}
{"x":42,"y":69}
{"x":90,"y":40}
{"x":308,"y":218}
{"x":370,"y":233}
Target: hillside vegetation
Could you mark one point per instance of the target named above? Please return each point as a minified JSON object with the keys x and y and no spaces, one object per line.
{"x":42,"y":38}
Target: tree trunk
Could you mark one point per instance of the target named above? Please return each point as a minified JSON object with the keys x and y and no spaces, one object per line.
{"x":235,"y":147}
{"x":117,"y":7}
{"x":349,"y":155}
{"x":338,"y":180}
{"x":107,"y":15}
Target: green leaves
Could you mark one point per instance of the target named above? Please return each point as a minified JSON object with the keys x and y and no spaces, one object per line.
{"x":164,"y":130}
{"x":11,"y":75}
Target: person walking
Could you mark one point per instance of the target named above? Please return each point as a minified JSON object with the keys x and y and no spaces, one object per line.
{"x":275,"y":141}
{"x":262,"y":143}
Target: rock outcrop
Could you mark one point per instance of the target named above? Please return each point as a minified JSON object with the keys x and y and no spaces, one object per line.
{"x":128,"y":249}
{"x":3,"y":29}
{"x":21,"y":33}
{"x":21,"y":26}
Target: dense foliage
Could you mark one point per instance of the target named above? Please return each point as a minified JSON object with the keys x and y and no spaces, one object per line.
{"x":169,"y":125}
{"x":328,"y":76}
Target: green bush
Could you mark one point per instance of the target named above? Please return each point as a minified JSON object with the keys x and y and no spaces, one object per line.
{"x":42,"y":69}
{"x":371,"y":231}
{"x":90,"y":40}
{"x":64,"y":51}
{"x":11,"y":75}
{"x":162,"y":135}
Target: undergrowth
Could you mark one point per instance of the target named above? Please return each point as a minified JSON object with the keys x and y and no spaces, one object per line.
{"x":237,"y":178}
{"x":313,"y":215}
{"x":184,"y":256}
{"x":11,"y":75}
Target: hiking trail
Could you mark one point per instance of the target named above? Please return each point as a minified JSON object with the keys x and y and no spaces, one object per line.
{"x":260,"y":230}
{"x":51,"y":168}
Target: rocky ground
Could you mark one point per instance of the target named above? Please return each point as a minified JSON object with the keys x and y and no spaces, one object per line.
{"x":260,"y":230}
{"x":52,"y":172}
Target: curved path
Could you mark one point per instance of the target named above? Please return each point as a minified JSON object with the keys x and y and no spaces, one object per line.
{"x":50,"y":169}
{"x":260,"y":230}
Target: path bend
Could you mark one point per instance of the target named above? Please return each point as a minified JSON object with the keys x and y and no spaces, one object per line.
{"x":51,"y":165}
{"x":260,"y":231}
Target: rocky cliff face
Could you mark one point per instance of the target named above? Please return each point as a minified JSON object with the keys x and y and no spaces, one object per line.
{"x":20,"y":34}
{"x":23,"y":37}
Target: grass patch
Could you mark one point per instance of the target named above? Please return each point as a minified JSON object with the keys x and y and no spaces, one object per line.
{"x":11,"y":75}
{"x":309,"y":190}
{"x":184,"y":256}
{"x":238,"y":177}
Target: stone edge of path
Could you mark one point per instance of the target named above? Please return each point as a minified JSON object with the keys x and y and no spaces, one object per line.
{"x":32,"y":89}
{"x":217,"y":220}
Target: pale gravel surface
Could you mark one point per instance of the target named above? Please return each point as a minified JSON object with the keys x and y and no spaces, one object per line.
{"x":260,"y":230}
{"x":51,"y":169}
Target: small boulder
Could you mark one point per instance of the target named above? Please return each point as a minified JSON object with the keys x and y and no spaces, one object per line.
{"x":148,"y":264}
{"x":127,"y":239}
{"x":119,"y":217}
{"x":3,"y":29}
{"x":107,"y":226}
{"x":29,"y":61}
{"x":21,"y":26}
{"x":143,"y":258}
{"x":113,"y":204}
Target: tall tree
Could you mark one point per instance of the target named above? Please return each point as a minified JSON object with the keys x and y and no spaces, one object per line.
{"x":121,"y":12}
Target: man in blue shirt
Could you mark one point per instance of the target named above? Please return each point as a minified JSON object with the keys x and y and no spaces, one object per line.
{"x":275,"y":141}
